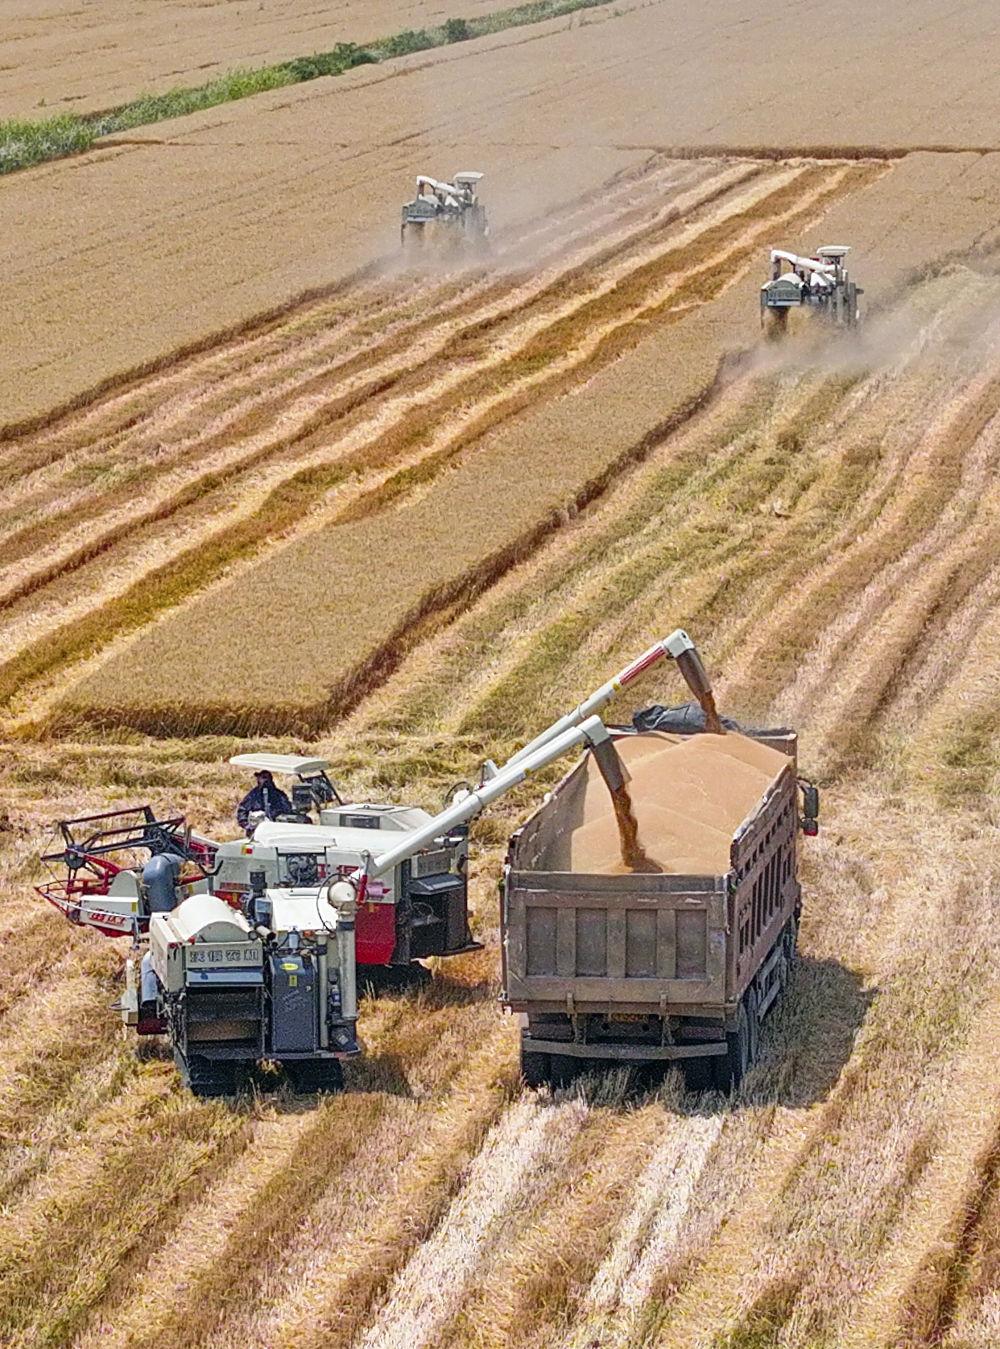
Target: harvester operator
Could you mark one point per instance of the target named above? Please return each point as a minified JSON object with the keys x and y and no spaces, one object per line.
{"x":265,"y":798}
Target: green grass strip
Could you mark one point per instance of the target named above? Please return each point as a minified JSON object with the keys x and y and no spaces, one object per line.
{"x":24,"y":142}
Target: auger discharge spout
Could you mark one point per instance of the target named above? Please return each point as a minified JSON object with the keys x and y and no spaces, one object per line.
{"x":679,"y":647}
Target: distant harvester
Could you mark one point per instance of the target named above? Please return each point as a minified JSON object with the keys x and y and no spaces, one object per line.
{"x":450,"y":209}
{"x":819,"y":283}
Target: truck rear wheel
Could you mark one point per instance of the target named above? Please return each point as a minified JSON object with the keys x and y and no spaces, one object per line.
{"x":314,"y":1075}
{"x":783,"y":970}
{"x":535,"y":1068}
{"x":729,"y":1069}
{"x":552,"y":1070}
{"x":563,"y":1068}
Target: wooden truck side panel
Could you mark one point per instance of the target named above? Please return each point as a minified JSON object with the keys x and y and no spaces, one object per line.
{"x":763,"y":881}
{"x":617,"y":943}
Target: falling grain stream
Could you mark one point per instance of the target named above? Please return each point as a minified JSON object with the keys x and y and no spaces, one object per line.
{"x":634,"y":857}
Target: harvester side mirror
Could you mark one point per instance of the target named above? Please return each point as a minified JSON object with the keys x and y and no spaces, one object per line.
{"x":810,"y":809}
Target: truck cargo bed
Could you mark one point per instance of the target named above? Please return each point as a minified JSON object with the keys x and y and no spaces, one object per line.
{"x":663,"y":963}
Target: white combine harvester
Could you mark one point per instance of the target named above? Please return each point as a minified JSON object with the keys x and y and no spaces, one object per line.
{"x":451,"y":212}
{"x":819,"y":283}
{"x":253,"y":944}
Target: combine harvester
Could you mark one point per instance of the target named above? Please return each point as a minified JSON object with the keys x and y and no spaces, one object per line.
{"x":444,"y":213}
{"x":253,"y":945}
{"x":817,"y":284}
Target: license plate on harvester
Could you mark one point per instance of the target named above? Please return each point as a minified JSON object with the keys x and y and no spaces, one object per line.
{"x":210,"y":956}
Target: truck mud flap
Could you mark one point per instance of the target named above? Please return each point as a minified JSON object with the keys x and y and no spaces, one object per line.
{"x":623,"y":1053}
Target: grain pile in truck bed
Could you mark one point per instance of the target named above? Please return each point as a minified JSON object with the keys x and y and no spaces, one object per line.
{"x":689,"y":794}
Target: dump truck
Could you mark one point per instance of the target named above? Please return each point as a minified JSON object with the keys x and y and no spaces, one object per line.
{"x":674,"y":955}
{"x":448,"y":212}
{"x":819,"y":284}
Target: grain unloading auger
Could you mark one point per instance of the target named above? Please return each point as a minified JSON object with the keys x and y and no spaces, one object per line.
{"x":451,"y":209}
{"x":820,"y":284}
{"x":580,"y":727}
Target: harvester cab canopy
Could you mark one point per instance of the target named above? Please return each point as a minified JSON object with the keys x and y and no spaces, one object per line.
{"x":467,"y":182}
{"x":315,"y":787}
{"x":281,"y":763}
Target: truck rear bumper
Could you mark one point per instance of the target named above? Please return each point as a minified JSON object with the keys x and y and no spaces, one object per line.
{"x":635,"y":1053}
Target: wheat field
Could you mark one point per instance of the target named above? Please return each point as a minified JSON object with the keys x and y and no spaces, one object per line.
{"x":839,"y":571}
{"x":403,"y":521}
{"x":150,"y":46}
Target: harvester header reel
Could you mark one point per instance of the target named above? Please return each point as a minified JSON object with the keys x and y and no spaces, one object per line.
{"x":135,"y":828}
{"x":98,"y":849}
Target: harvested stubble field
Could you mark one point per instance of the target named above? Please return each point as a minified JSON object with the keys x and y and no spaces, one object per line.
{"x":529,"y":471}
{"x":198,"y":224}
{"x":332,"y":444}
{"x":829,"y":529}
{"x":149,"y":46}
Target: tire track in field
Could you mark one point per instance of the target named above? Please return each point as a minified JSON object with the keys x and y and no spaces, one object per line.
{"x":922,"y":466}
{"x":140,"y":398}
{"x":682,"y":1329}
{"x":730,"y":1260}
{"x":440,"y":331}
{"x":916,"y":1285}
{"x":320,"y":1158}
{"x":734,"y":1269}
{"x":299,"y":428}
{"x":527,"y":1290}
{"x":691,"y":483}
{"x":428,"y":1289}
{"x":623,"y":311}
{"x":381,"y":317}
{"x":788,"y":1147}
